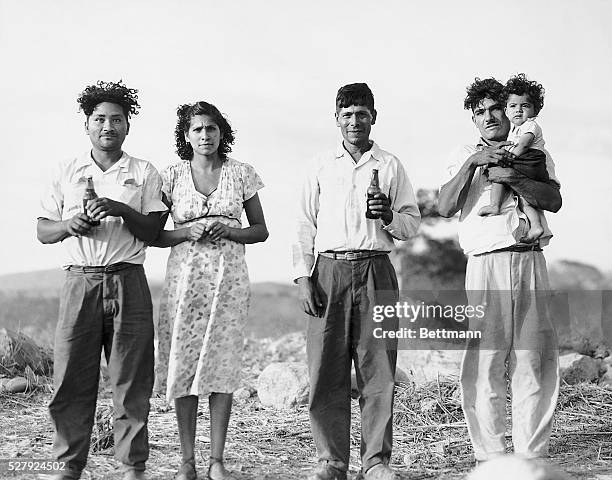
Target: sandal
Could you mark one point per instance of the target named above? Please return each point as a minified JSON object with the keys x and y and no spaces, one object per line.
{"x":187,"y":471}
{"x":226,"y":475}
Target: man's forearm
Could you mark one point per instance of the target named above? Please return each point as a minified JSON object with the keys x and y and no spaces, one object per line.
{"x":51,"y":231}
{"x":454,"y":193}
{"x":143,"y":227}
{"x":542,"y":195}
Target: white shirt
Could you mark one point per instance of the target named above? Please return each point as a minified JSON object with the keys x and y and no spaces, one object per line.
{"x":529,"y":126}
{"x":332,"y":207}
{"x":484,"y":234}
{"x":130,"y":180}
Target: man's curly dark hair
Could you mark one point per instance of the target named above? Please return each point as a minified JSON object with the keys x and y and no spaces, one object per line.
{"x":521,"y":85}
{"x":481,"y":89}
{"x":110,"y":92}
{"x":185,"y":113}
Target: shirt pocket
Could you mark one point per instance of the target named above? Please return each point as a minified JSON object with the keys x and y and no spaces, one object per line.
{"x":335,"y":189}
{"x":129,"y":192}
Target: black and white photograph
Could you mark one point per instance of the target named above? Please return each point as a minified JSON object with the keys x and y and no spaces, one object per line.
{"x":306,"y":240}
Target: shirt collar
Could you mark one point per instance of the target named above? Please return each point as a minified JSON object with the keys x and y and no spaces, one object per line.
{"x":375,"y":152}
{"x":86,"y":160}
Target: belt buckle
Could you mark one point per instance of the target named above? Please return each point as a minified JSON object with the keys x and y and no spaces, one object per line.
{"x":351,"y":255}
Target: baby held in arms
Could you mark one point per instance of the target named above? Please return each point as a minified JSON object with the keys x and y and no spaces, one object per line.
{"x":524,"y":100}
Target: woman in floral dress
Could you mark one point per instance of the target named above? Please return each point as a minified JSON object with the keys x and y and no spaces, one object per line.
{"x":206,"y":293}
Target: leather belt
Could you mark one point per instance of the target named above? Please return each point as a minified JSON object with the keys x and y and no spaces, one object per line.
{"x":352,"y":255}
{"x":520,"y":247}
{"x":115,"y":267}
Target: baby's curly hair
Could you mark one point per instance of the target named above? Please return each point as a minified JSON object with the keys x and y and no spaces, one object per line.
{"x":111,"y":92}
{"x":521,"y":85}
{"x":184,"y":115}
{"x":481,"y":89}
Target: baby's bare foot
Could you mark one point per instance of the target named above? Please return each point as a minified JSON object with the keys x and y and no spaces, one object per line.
{"x":489,"y":210}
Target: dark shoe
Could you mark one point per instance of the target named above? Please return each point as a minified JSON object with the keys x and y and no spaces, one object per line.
{"x":381,"y":472}
{"x":186,"y":472}
{"x":325,"y":471}
{"x":134,"y":475}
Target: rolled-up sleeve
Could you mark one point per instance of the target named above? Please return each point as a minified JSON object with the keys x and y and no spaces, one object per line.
{"x":406,"y":215}
{"x":306,"y":226}
{"x":52,"y":200}
{"x":152,"y":192}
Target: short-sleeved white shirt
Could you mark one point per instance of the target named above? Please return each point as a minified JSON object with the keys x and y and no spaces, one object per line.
{"x":478,"y":234}
{"x":530,"y":126}
{"x":130,"y":180}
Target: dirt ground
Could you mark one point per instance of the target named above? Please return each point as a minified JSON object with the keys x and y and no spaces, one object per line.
{"x":272,"y":445}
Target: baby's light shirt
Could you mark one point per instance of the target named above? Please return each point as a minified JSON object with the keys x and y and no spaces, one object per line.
{"x":530,"y":126}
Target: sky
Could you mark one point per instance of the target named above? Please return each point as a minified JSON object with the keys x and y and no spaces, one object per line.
{"x":274,"y":68}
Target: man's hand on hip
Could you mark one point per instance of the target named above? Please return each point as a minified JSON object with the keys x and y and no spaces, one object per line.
{"x":309,"y":297}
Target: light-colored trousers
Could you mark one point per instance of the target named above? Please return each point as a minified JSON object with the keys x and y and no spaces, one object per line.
{"x":518,"y":342}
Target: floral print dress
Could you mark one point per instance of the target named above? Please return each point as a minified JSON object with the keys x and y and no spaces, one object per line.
{"x":206,"y":293}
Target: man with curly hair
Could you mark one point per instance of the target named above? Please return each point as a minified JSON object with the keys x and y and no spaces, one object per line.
{"x":510,"y":280}
{"x":105,"y":302}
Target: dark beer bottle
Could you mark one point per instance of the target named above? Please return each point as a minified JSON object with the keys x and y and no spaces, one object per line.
{"x":90,"y":194}
{"x":373,"y":189}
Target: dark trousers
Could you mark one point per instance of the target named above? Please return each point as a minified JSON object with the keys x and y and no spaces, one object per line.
{"x":350,"y":289}
{"x":110,"y":311}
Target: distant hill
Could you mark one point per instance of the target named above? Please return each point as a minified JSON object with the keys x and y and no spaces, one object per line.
{"x":38,"y":283}
{"x":29,"y":302}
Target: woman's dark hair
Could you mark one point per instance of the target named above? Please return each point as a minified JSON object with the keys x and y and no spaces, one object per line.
{"x":184,"y":115}
{"x":520,"y":85}
{"x":110,"y":92}
{"x":355,"y":94}
{"x":481,"y":89}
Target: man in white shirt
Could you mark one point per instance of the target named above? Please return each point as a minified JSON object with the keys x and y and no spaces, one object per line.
{"x":510,"y":280}
{"x":105,"y":303}
{"x":343,"y":270}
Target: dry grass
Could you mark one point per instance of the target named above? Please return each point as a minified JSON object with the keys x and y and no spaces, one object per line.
{"x":430,"y":436}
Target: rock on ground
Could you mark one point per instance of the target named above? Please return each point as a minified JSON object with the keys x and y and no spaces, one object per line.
{"x":423,"y":366}
{"x":283,"y":385}
{"x":606,"y":379}
{"x":576,"y":368}
{"x":13,"y":385}
{"x":289,"y":348}
{"x":18,"y":351}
